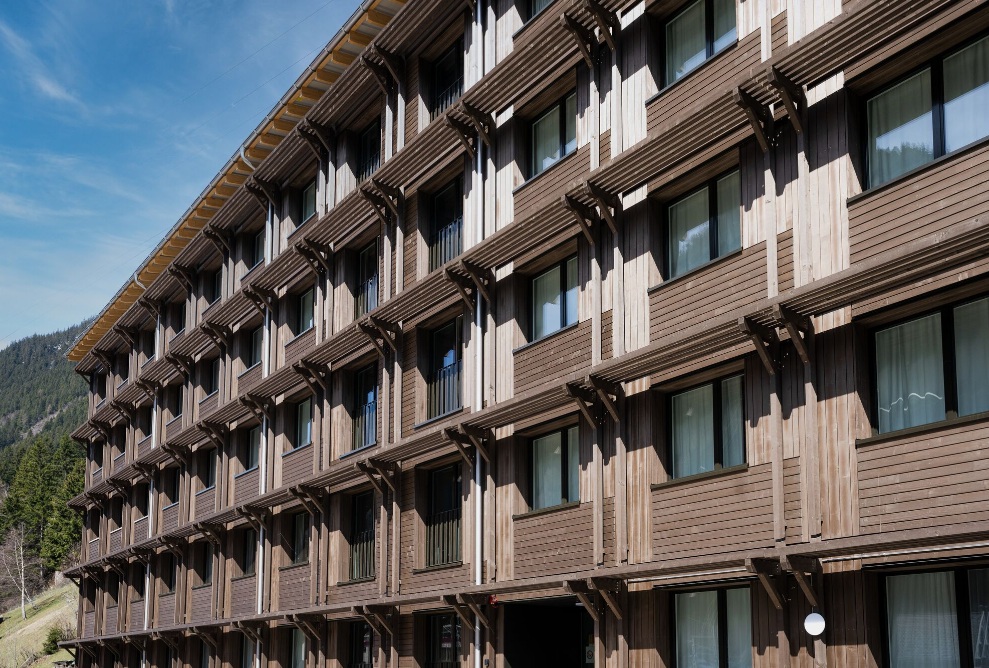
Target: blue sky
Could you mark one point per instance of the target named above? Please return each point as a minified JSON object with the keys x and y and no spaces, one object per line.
{"x":114,"y":115}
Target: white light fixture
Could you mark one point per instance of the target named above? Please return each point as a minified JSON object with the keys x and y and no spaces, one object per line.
{"x":814,"y":624}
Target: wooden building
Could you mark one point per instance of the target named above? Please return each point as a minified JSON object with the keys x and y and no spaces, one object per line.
{"x":604,"y":333}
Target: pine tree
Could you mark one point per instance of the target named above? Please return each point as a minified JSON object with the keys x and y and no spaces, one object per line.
{"x":64,"y":527}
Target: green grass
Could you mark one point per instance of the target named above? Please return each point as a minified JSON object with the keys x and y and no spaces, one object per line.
{"x":20,"y":638}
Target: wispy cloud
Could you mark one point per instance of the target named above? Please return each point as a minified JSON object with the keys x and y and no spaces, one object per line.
{"x":32,"y":68}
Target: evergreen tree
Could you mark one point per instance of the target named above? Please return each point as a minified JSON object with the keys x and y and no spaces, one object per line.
{"x":62,"y":535}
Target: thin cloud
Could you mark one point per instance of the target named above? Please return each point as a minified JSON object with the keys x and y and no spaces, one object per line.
{"x":33,"y":69}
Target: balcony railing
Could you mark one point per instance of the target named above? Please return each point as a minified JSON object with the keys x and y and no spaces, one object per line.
{"x":443,"y":538}
{"x":368,"y":166}
{"x":366,"y":298}
{"x":362,"y":555}
{"x":444,"y":390}
{"x":366,"y":425}
{"x":118,"y":462}
{"x":446,"y":97}
{"x":447,"y":243}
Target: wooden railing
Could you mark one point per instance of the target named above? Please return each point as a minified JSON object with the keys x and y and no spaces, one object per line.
{"x":143,"y":446}
{"x":443,"y":538}
{"x":366,"y":425}
{"x":118,"y":462}
{"x":362,"y":555}
{"x":445,"y":390}
{"x":447,"y":243}
{"x":366,"y":297}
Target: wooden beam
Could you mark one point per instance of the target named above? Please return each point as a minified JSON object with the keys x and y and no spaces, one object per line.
{"x":608,"y":589}
{"x":392,"y":62}
{"x":608,"y":393}
{"x":583,"y":214}
{"x":220,"y":241}
{"x":248,"y":630}
{"x":462,"y":285}
{"x":463,"y":131}
{"x":586,"y":596}
{"x":482,"y":121}
{"x":459,"y":441}
{"x":793,"y":96}
{"x":767,"y":570}
{"x":472,"y":602}
{"x":380,"y":74}
{"x":370,"y":474}
{"x":802,"y":569}
{"x":609,"y":204}
{"x":207,"y":636}
{"x":581,"y":397}
{"x":480,"y":276}
{"x":586,"y":41}
{"x":759,"y":115}
{"x":799,"y":327}
{"x":460,"y":609}
{"x":765,"y":341}
{"x":606,"y":20}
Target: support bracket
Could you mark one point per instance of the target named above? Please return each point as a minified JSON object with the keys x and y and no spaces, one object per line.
{"x":608,"y":589}
{"x":586,"y":40}
{"x":799,"y":327}
{"x":584,"y":214}
{"x":265,"y":192}
{"x":587,"y":596}
{"x":793,"y":96}
{"x":767,"y":570}
{"x":461,"y":610}
{"x":607,"y":21}
{"x":803,"y":569}
{"x":759,"y":115}
{"x":183,"y":275}
{"x":482,"y":122}
{"x":609,"y":204}
{"x":608,"y":393}
{"x":315,"y":254}
{"x":220,"y":241}
{"x":582,"y":397}
{"x":765,"y":340}
{"x":463,"y":130}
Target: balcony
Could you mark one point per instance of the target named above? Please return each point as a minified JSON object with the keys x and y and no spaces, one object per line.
{"x":366,"y":425}
{"x":246,"y":486}
{"x":140,"y":529}
{"x":443,"y":538}
{"x":94,"y":550}
{"x":118,"y":462}
{"x":298,"y":346}
{"x":445,"y":390}
{"x":144,"y":446}
{"x":172,"y":428}
{"x":362,"y":555}
{"x":209,"y":404}
{"x":98,"y":476}
{"x":447,"y":243}
{"x":169,"y":518}
{"x":116,"y":540}
{"x":248,"y":379}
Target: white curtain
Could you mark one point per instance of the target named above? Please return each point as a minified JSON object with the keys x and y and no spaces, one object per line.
{"x":546,"y":140}
{"x":978,"y":603}
{"x":724,"y":24}
{"x":697,"y":630}
{"x":910,"y":374}
{"x":693,"y":431}
{"x":546,"y":303}
{"x":739,"y":615}
{"x":921,"y":620}
{"x":572,"y":292}
{"x":686,"y":44}
{"x":732,"y":422}
{"x":729,"y":193}
{"x":690,"y":241}
{"x":901,"y":129}
{"x":972,"y":355}
{"x":573,"y":462}
{"x":966,"y":95}
{"x":547,"y":460}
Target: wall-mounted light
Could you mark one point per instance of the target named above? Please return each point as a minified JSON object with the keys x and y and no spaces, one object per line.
{"x":814,"y":624}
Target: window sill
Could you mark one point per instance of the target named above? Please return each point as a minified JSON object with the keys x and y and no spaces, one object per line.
{"x":150,"y":360}
{"x":436,"y":419}
{"x":299,"y":335}
{"x":545,"y":338}
{"x":358,"y":451}
{"x":697,"y":477}
{"x":529,"y":21}
{"x":290,"y":567}
{"x":692,"y":273}
{"x":245,"y":472}
{"x":437,"y":567}
{"x":208,"y":397}
{"x":358,"y":581}
{"x":244,"y":576}
{"x":302,"y":223}
{"x":166,"y":594}
{"x":691,"y":73}
{"x":250,"y":269}
{"x":546,"y":511}
{"x":206,"y":489}
{"x":930,"y":427}
{"x":206,"y":585}
{"x":549,"y":169}
{"x":174,"y":503}
{"x":294,"y":450}
{"x":172,"y":338}
{"x":248,"y":369}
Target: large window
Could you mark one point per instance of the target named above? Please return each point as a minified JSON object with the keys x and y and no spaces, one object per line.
{"x":444,"y":381}
{"x":303,"y":423}
{"x":938,"y":619}
{"x":248,"y":551}
{"x":204,"y":654}
{"x":933,"y":367}
{"x":934,"y":111}
{"x":298,"y":538}
{"x":255,"y":345}
{"x":307,"y":202}
{"x":713,"y":628}
{"x":211,"y":376}
{"x":204,"y":565}
{"x":556,"y":468}
{"x":443,"y":650}
{"x":366,"y":407}
{"x":448,"y":78}
{"x":704,"y":225}
{"x":533,"y":7}
{"x":553,"y":135}
{"x":446,"y":238}
{"x":213,"y":285}
{"x":443,"y":518}
{"x":366,"y":294}
{"x":246,"y":652}
{"x":166,"y":572}
{"x":252,"y":450}
{"x":298,"y":650}
{"x":359,"y":655}
{"x":369,"y":150}
{"x":171,"y":479}
{"x":254,"y":249}
{"x":362,"y":536}
{"x":699,"y":31}
{"x":707,"y":429}
{"x":207,"y":468}
{"x":304,"y":311}
{"x":554,"y":299}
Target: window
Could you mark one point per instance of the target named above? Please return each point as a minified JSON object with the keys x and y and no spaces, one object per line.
{"x":304,"y":311}
{"x":707,"y":427}
{"x":112,"y":588}
{"x":704,"y":225}
{"x":307,"y":202}
{"x":248,"y":551}
{"x":254,"y":249}
{"x":137,"y":579}
{"x":117,"y":513}
{"x":171,"y":478}
{"x":365,"y":407}
{"x":554,"y":299}
{"x":178,"y":324}
{"x":362,"y":536}
{"x":142,"y":499}
{"x":554,"y":135}
{"x":443,"y":523}
{"x":255,"y":346}
{"x":938,"y":619}
{"x":253,"y":449}
{"x":207,"y":468}
{"x":246,"y":652}
{"x":444,"y":382}
{"x":303,"y":423}
{"x":932,"y":367}
{"x":536,"y":6}
{"x":369,"y":150}
{"x":366,"y":297}
{"x":203,"y":654}
{"x":703,"y":29}
{"x":446,"y":239}
{"x":443,"y":650}
{"x":360,"y":646}
{"x":205,"y":565}
{"x":448,"y":79}
{"x":166,"y":571}
{"x":713,"y":628}
{"x":174,"y":399}
{"x":298,"y":650}
{"x":211,"y":376}
{"x":213,"y":286}
{"x":97,"y":455}
{"x":932,"y":112}
{"x":556,"y":468}
{"x":298,"y":548}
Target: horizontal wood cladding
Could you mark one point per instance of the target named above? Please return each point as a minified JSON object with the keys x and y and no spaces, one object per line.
{"x":205,"y":502}
{"x":553,"y":356}
{"x":136,"y":621}
{"x":248,"y":380}
{"x":94,"y":550}
{"x":299,"y":346}
{"x":936,"y":197}
{"x":778,"y":32}
{"x":297,"y":464}
{"x":246,"y":486}
{"x":604,"y":147}
{"x":143,"y":447}
{"x":116,"y":539}
{"x":550,"y":185}
{"x":607,"y":344}
{"x":201,"y":604}
{"x":554,"y":543}
{"x":166,"y":610}
{"x":89,"y":624}
{"x":110,"y":619}
{"x":140,"y":530}
{"x":293,"y":587}
{"x":925,"y":480}
{"x":784,"y":260}
{"x":713,"y":75}
{"x":733,"y":511}
{"x":723,"y":286}
{"x":355,"y":592}
{"x":792,"y":511}
{"x":169,"y":518}
{"x":208,"y":405}
{"x":172,"y":429}
{"x":243,"y":595}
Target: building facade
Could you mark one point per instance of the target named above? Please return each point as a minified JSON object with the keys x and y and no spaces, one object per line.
{"x":565,"y":333}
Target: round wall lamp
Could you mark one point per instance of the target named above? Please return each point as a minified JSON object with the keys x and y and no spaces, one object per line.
{"x":814,"y":624}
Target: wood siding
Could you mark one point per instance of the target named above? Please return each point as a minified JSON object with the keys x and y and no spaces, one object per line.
{"x":246,"y":486}
{"x":553,"y":543}
{"x":298,"y":463}
{"x":550,"y":184}
{"x":553,"y":356}
{"x":293,"y":586}
{"x":201,"y":604}
{"x":243,"y":596}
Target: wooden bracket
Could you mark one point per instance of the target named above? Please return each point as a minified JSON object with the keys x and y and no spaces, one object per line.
{"x":262,"y":299}
{"x":216,"y":432}
{"x":799,"y":327}
{"x":482,"y":122}
{"x":153,"y":308}
{"x":219,"y":334}
{"x":172,"y":545}
{"x":767,"y":570}
{"x":475,"y":602}
{"x":250,"y":630}
{"x":145,"y":471}
{"x":148,"y":388}
{"x":463,"y":130}
{"x":582,"y":397}
{"x":587,"y":596}
{"x":118,"y":487}
{"x":176,"y":454}
{"x":206,"y":635}
{"x":320,"y":138}
{"x":392,"y":62}
{"x":102,"y":428}
{"x":793,"y":96}
{"x":104,"y":359}
{"x":584,"y":214}
{"x":609,"y":204}
{"x":254,"y":516}
{"x":183,"y":275}
{"x":765,"y":341}
{"x":308,"y":625}
{"x":109,"y":646}
{"x":803,"y":569}
{"x":116,"y":567}
{"x":759,"y":115}
{"x":470,"y":436}
{"x":607,"y":21}
{"x":382,"y":618}
{"x":462,"y":611}
{"x":312,"y":374}
{"x":370,"y":473}
{"x":480,"y":276}
{"x":316,"y":254}
{"x":380,"y":73}
{"x":375,"y":328}
{"x":125,"y":411}
{"x":265,"y":192}
{"x":181,"y":363}
{"x":306,"y":500}
{"x":127,"y":334}
{"x":586,"y":40}
{"x":260,"y":406}
{"x":464,"y":286}
{"x":379,"y":203}
{"x":220,"y":241}
{"x":608,"y":589}
{"x":608,"y":393}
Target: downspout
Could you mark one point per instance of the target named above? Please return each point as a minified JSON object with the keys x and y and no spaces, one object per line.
{"x":263,"y":454}
{"x":478,"y":324}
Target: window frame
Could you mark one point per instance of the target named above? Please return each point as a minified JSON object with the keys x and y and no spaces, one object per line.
{"x":300,"y":301}
{"x":709,"y":39}
{"x":211,"y":377}
{"x":358,"y":630}
{"x":207,"y":456}
{"x":455,"y":49}
{"x":368,"y":372}
{"x":457,"y":473}
{"x":166,"y":575}
{"x":366,"y":495}
{"x":558,"y":105}
{"x":255,"y":348}
{"x":298,"y":553}
{"x":435,"y":257}
{"x":434,"y":622}
{"x":311,"y":184}
{"x":215,"y":286}
{"x":361,"y":170}
{"x":256,"y":241}
{"x":722,"y":603}
{"x":204,"y":570}
{"x":565,"y":495}
{"x":711,"y":185}
{"x":248,"y":552}
{"x":370,"y":249}
{"x":252,"y":454}
{"x":718,"y":445}
{"x":562,"y":265}
{"x":297,"y":426}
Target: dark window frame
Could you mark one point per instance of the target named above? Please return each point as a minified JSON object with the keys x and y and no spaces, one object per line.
{"x":454,"y":50}
{"x":357,"y":528}
{"x":455,"y":511}
{"x":248,"y":552}
{"x":716,"y":404}
{"x":722,"y":621}
{"x":361,"y":407}
{"x":434,"y":245}
{"x":711,"y":185}
{"x":562,"y":266}
{"x":709,"y":39}
{"x":366,"y":165}
{"x":561,"y":105}
{"x":435,"y":623}
{"x":251,"y":456}
{"x":564,"y":466}
{"x":166,"y":572}
{"x":358,"y":630}
{"x":298,"y":552}
{"x":254,"y":243}
{"x":255,"y":353}
{"x":300,"y":299}
{"x":204,"y":564}
{"x":366,"y":300}
{"x":434,"y":369}
{"x":207,"y":457}
{"x":297,"y":423}
{"x":309,"y":184}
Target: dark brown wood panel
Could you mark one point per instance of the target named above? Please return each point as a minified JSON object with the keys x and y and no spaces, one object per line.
{"x":246,"y":486}
{"x":243,"y":595}
{"x":297,"y":464}
{"x":553,"y":356}
{"x":169,"y":517}
{"x":293,"y":587}
{"x":550,"y":185}
{"x":201,"y":603}
{"x":166,"y":610}
{"x":299,"y":346}
{"x":554,"y":543}
{"x":607,"y":344}
{"x":205,"y":502}
{"x":784,"y":260}
{"x":248,"y":379}
{"x":110,"y":620}
{"x":136,"y":621}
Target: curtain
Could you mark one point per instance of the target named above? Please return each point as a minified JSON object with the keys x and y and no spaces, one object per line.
{"x":966,"y":95}
{"x":546,"y":303}
{"x":547,"y":460}
{"x":693,"y":431}
{"x":570,"y":124}
{"x":546,"y":140}
{"x":697,"y":630}
{"x":729,"y":194}
{"x":572,"y":292}
{"x":922,"y":622}
{"x":739,"y":615}
{"x":910,"y":374}
{"x":573,"y":462}
{"x":978,"y":603}
{"x":901,"y":129}
{"x":686,"y":44}
{"x":732,"y":422}
{"x":298,"y":649}
{"x":724,"y":24}
{"x":972,"y":354}
{"x":689,"y":242}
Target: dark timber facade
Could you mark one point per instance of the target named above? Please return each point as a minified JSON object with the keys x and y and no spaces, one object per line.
{"x":565,"y":333}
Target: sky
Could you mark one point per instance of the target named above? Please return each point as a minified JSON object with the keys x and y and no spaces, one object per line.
{"x":114,"y":115}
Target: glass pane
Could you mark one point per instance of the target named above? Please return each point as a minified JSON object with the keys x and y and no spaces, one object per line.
{"x":972,"y":356}
{"x":305,"y":311}
{"x":547,"y":460}
{"x":570,"y":315}
{"x":546,"y":140}
{"x":573,"y":464}
{"x":693,"y":431}
{"x":304,"y":423}
{"x":697,"y":630}
{"x":686,"y":44}
{"x":546,"y":304}
{"x":257,"y":342}
{"x":739,"y":628}
{"x":922,"y":624}
{"x":309,"y":201}
{"x":910,"y":374}
{"x":445,"y":348}
{"x":570,"y":118}
{"x":901,"y":130}
{"x":966,"y":95}
{"x":724,"y":24}
{"x":689,"y":242}
{"x":536,"y":6}
{"x":298,"y":649}
{"x":729,"y":193}
{"x":978,"y":603}
{"x":253,"y":448}
{"x":732,"y":422}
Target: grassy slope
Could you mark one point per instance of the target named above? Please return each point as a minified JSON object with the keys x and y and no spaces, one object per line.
{"x":19,"y":635}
